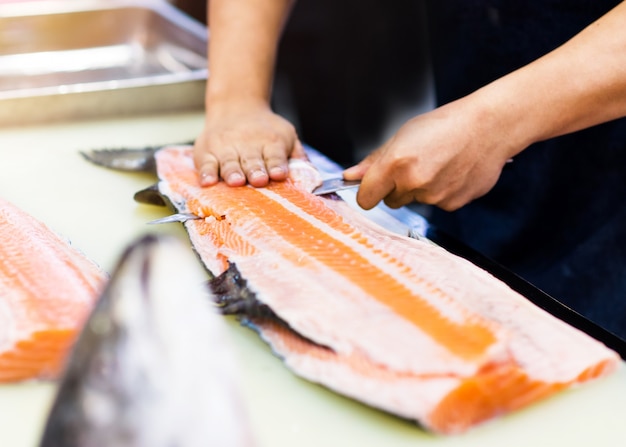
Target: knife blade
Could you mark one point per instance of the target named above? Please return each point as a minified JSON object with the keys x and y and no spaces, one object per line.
{"x":335,"y":184}
{"x":178,"y":217}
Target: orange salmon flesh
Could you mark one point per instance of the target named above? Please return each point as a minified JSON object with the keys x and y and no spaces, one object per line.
{"x":397,"y":323}
{"x":47,"y":289}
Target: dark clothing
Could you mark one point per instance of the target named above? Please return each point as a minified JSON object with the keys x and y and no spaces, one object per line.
{"x":557,"y":216}
{"x":344,"y":65}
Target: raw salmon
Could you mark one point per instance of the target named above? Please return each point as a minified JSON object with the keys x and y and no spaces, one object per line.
{"x":47,"y":288}
{"x":397,"y":323}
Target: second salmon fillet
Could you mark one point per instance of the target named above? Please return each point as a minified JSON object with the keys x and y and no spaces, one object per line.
{"x":47,"y":289}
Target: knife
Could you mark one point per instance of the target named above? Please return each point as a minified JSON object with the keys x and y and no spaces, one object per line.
{"x":178,"y":217}
{"x":335,"y":184}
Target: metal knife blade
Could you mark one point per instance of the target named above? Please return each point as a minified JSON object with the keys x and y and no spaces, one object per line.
{"x":335,"y":184}
{"x":178,"y":217}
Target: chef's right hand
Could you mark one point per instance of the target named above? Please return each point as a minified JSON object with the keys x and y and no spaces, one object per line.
{"x":245,"y":142}
{"x":446,"y":157}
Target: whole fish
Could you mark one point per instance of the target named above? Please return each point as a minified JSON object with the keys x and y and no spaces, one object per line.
{"x":152,"y":366}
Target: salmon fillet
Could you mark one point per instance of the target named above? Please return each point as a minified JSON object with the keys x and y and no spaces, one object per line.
{"x":47,"y":289}
{"x":394,"y":322}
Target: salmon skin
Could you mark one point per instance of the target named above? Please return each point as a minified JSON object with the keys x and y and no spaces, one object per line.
{"x":394,"y":322}
{"x":152,"y":366}
{"x":47,"y":289}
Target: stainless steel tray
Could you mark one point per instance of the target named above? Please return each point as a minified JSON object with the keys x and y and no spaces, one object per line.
{"x":76,"y":59}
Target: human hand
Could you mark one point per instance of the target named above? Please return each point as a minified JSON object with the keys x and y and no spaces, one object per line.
{"x":245,"y":142}
{"x":446,"y":157}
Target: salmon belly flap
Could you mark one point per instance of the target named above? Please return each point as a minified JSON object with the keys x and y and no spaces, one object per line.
{"x":397,"y":323}
{"x":47,"y":289}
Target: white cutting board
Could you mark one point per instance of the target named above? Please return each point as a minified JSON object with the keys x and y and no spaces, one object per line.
{"x":41,"y":171}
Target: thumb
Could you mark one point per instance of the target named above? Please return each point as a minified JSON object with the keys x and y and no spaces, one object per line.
{"x":357,"y":171}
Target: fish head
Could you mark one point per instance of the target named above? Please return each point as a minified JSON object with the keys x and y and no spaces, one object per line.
{"x":153,"y":365}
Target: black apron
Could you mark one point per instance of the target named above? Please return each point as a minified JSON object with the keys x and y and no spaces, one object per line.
{"x":557,"y":216}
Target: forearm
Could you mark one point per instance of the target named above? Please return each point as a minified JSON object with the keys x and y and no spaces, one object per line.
{"x":578,"y":85}
{"x":243,"y":43}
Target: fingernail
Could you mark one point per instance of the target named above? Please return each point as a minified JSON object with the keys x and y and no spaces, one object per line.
{"x":277,"y":170}
{"x":207,"y":179}
{"x":235,"y":177}
{"x":257,"y":173}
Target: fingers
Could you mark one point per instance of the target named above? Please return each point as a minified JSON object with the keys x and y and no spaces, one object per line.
{"x":266,"y":163}
{"x":397,"y":185}
{"x":209,"y":172}
{"x":375,"y":186}
{"x":213,"y":164}
{"x":250,"y":145}
{"x":207,"y":164}
{"x":370,"y":192}
{"x":356,"y":172}
{"x":276,"y":163}
{"x":255,"y":164}
{"x":397,"y":200}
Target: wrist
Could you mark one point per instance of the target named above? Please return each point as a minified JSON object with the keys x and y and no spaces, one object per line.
{"x":221,"y":104}
{"x":510,"y":122}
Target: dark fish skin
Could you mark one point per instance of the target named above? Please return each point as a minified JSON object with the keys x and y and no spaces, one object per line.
{"x":91,"y":366}
{"x":127,"y":159}
{"x":232,"y":295}
{"x":151,"y":196}
{"x":151,"y":367}
{"x":132,"y":160}
{"x":135,"y":160}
